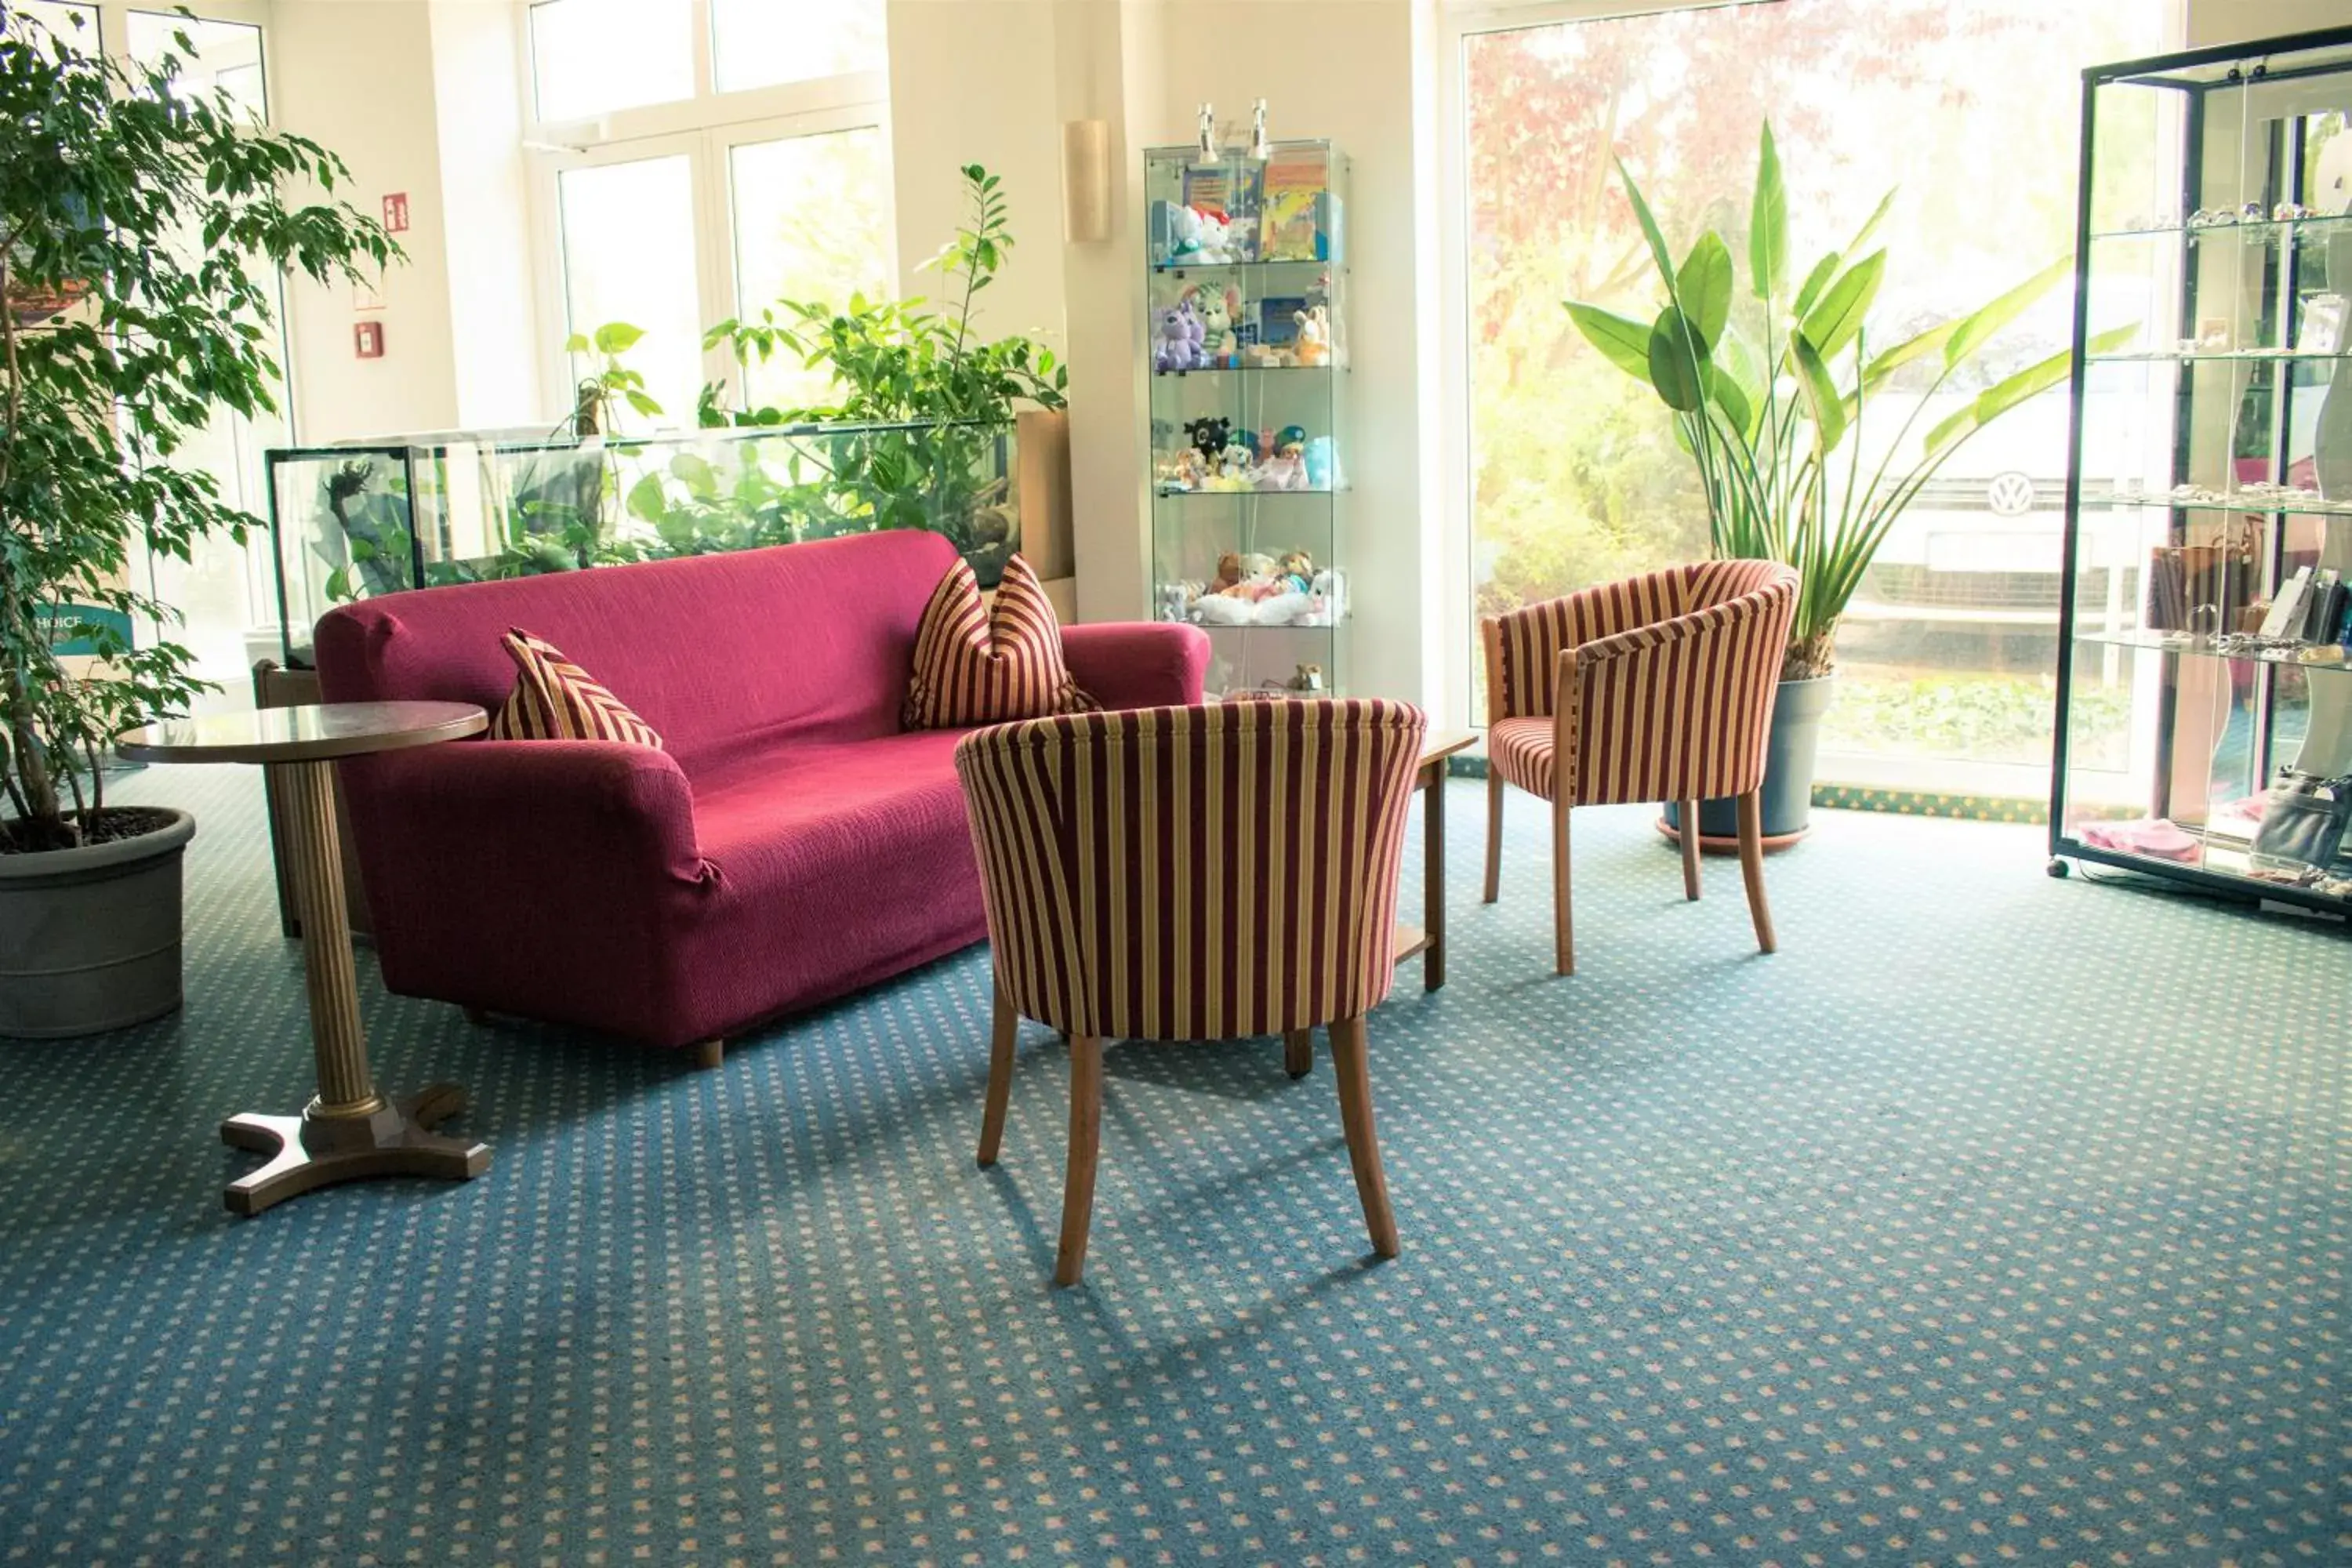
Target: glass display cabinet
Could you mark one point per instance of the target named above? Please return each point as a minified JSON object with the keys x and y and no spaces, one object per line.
{"x":1247,"y":341}
{"x":352,"y":521}
{"x":2205,"y":677}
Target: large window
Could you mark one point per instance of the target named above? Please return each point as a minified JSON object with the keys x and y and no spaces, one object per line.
{"x":1969,"y":106}
{"x":718,"y":155}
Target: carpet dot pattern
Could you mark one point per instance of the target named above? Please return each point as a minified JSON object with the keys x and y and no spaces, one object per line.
{"x":1994,"y":1220}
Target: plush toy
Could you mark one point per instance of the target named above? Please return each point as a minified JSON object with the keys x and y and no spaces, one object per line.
{"x":1313,"y":345}
{"x":1215,"y":246}
{"x":1296,"y":572}
{"x":1184,"y":235}
{"x":1179,"y":346}
{"x":1223,"y":344}
{"x":1321,"y":471}
{"x":1286,"y":469}
{"x":1210,"y":436}
{"x":1233,"y":468}
{"x":1229,"y":572}
{"x":1254,"y":579}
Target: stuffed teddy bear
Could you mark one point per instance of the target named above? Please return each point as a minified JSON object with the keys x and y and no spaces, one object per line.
{"x":1229,"y":571}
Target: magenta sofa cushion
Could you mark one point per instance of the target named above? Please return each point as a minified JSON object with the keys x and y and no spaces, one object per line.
{"x":791,"y":846}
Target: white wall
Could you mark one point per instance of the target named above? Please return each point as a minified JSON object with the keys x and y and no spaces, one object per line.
{"x":421,"y":97}
{"x":357,"y":76}
{"x":2228,"y":21}
{"x":971,"y":82}
{"x":486,"y":213}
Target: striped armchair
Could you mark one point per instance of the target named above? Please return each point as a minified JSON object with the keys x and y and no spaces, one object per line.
{"x":1657,"y":688}
{"x":1191,"y":873}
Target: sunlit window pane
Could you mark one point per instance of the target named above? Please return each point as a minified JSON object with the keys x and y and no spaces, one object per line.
{"x":628,"y":255}
{"x":782,"y":252}
{"x":75,"y":25}
{"x":217,"y":56}
{"x":590,"y":57}
{"x":758,"y":43}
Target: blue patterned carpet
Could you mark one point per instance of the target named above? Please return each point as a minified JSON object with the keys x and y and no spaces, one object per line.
{"x":1995,"y":1220}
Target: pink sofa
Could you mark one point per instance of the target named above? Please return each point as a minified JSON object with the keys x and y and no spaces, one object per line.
{"x":791,"y":844}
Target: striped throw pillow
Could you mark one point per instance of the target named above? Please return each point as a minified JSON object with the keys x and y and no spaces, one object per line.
{"x":555,"y":699}
{"x":975,"y":665}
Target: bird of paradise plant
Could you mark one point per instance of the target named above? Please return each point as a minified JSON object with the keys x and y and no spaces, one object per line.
{"x":1776,"y":433}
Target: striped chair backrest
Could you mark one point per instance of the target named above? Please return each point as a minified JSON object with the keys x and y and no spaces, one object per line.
{"x":1193,"y":873}
{"x":1531,"y":637}
{"x":1683,"y":710}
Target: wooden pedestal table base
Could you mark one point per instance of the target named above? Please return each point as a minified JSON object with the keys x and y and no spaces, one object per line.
{"x":350,"y":1131}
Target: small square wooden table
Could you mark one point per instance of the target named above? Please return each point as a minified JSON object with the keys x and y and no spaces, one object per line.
{"x":1427,"y":940}
{"x":349,"y":1131}
{"x":1428,"y":937}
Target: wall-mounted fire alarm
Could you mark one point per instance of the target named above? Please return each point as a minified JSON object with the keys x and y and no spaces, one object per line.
{"x":367,"y":340}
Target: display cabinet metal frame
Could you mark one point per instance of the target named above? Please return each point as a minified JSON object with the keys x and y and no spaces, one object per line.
{"x":2212,"y":422}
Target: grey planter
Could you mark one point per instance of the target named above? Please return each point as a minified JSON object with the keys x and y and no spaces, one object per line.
{"x":1797,"y":715}
{"x":89,"y":939}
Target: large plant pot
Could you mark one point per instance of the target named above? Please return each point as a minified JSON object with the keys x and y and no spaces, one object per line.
{"x":1797,"y":715}
{"x":89,"y":939}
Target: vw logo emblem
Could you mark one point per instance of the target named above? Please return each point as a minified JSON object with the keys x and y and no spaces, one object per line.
{"x":2011,"y":494}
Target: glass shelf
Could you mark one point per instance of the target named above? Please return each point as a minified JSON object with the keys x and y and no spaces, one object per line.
{"x":1248,"y":370}
{"x":2235,"y":503}
{"x":2268,"y":227}
{"x":1173,"y":268}
{"x":1169,"y":494}
{"x":2242,"y":356}
{"x":2305,"y":655}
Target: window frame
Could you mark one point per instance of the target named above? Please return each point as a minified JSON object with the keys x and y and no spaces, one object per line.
{"x":707,"y":128}
{"x":1451,"y":686}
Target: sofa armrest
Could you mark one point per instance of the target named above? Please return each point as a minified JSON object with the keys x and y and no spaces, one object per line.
{"x":1138,"y":664}
{"x":557,"y":818}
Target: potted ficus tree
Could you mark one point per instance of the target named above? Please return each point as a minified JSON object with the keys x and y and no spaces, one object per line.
{"x":1771,"y":408}
{"x":149,"y":221}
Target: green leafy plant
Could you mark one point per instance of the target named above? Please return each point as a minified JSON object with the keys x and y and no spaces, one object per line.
{"x":1774,"y":421}
{"x":141,"y":227}
{"x":947,"y":400}
{"x":608,"y":381}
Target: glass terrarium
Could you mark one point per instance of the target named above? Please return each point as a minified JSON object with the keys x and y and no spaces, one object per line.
{"x":353,"y":522}
{"x":1247,"y":338}
{"x":2205,"y":717}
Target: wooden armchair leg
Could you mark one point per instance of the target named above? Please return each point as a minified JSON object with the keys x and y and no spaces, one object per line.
{"x":707,"y":1054}
{"x":1494,"y":833}
{"x":1298,"y":1052}
{"x":1751,"y":868}
{"x":1354,"y":1072}
{"x":1563,"y":924}
{"x":1005,"y":1025}
{"x":1688,"y":810}
{"x":1086,"y":1137}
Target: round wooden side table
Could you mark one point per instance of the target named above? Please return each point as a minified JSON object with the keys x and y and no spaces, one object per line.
{"x":350,"y":1131}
